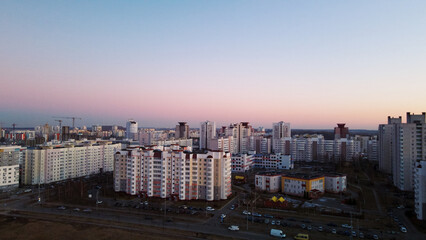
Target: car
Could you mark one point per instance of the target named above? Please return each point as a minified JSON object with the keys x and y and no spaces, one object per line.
{"x":232,"y":207}
{"x":223,"y":216}
{"x":346,"y":226}
{"x":268,"y":216}
{"x":256,"y":214}
{"x":353,"y":234}
{"x":278,"y":222}
{"x":210,"y":209}
{"x":266,"y":221}
{"x":234,"y":228}
{"x":403,"y":229}
{"x":361,"y":235}
{"x":273,"y":222}
{"x":87,"y":210}
{"x":320,"y":228}
{"x":375,"y":237}
{"x":303,"y":226}
{"x":76,"y":209}
{"x":99,"y":202}
{"x":284,"y":224}
{"x":245,"y":212}
{"x":309,"y":227}
{"x":27,"y":190}
{"x":277,"y":233}
{"x":62,"y":208}
{"x":333,"y":231}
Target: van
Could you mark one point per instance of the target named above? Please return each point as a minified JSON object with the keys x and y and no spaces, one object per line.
{"x":277,"y":233}
{"x":301,"y":236}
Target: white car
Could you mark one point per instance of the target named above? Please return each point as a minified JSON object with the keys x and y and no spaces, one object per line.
{"x":245,"y":212}
{"x":223,"y":215}
{"x":209,"y":209}
{"x":234,"y":228}
{"x":403,"y":229}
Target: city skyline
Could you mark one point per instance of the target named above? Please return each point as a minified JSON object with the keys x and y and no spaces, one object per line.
{"x":311,"y":64}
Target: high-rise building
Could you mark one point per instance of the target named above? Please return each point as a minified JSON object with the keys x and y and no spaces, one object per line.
{"x":241,"y":133}
{"x":386,"y":144}
{"x":182,"y":130}
{"x":132,"y":130}
{"x":341,"y":131}
{"x":173,"y":173}
{"x":281,"y":130}
{"x":420,"y":190}
{"x":10,"y":160}
{"x":207,"y":132}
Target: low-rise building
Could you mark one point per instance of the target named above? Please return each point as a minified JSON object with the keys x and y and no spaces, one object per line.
{"x":273,"y":161}
{"x":335,"y":183}
{"x":241,"y":162}
{"x":303,"y":185}
{"x":268,"y":182}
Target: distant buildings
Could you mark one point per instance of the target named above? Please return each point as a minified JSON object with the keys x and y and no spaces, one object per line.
{"x":207,"y":133}
{"x":132,"y":130}
{"x":171,"y":172}
{"x":281,"y":135}
{"x":420,"y":190}
{"x":182,"y":130}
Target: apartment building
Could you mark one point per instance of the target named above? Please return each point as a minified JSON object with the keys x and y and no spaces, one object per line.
{"x":173,"y":173}
{"x":51,"y":163}
{"x":420,"y":190}
{"x":10,"y":160}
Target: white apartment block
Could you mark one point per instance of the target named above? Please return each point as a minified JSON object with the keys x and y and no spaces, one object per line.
{"x":10,"y":159}
{"x":173,"y":173}
{"x":273,"y":161}
{"x":420,"y":190}
{"x":241,"y":133}
{"x":335,"y":183}
{"x":241,"y":162}
{"x":270,"y":183}
{"x":280,"y":132}
{"x":48,"y":164}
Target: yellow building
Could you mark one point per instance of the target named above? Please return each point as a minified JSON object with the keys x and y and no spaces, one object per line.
{"x":299,"y":184}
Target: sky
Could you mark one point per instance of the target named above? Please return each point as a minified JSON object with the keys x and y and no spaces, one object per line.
{"x":310,"y":63}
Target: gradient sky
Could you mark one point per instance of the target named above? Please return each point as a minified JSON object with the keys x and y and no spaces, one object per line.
{"x":310,"y":63}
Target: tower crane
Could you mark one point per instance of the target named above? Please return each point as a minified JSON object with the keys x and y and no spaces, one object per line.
{"x":73,"y":120}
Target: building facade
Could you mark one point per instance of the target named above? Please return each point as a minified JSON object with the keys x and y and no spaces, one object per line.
{"x":335,"y":183}
{"x":173,"y":173}
{"x":49,"y":164}
{"x":10,"y":160}
{"x":270,"y":183}
{"x":302,"y":185}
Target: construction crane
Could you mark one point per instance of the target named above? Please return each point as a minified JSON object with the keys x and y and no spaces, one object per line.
{"x":73,"y":120}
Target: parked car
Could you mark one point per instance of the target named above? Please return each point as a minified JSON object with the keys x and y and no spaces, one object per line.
{"x":266,"y":221}
{"x":346,"y":226}
{"x":210,"y":209}
{"x":256,"y":214}
{"x":62,"y":208}
{"x":268,"y":216}
{"x":333,"y":231}
{"x":77,"y":209}
{"x":273,"y":222}
{"x":245,"y":212}
{"x":278,"y":222}
{"x":375,"y":237}
{"x":320,"y":229}
{"x":234,"y":228}
{"x":403,"y":229}
{"x":353,"y":234}
{"x":303,"y":226}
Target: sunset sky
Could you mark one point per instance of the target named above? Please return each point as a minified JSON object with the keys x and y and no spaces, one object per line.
{"x":310,"y":63}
